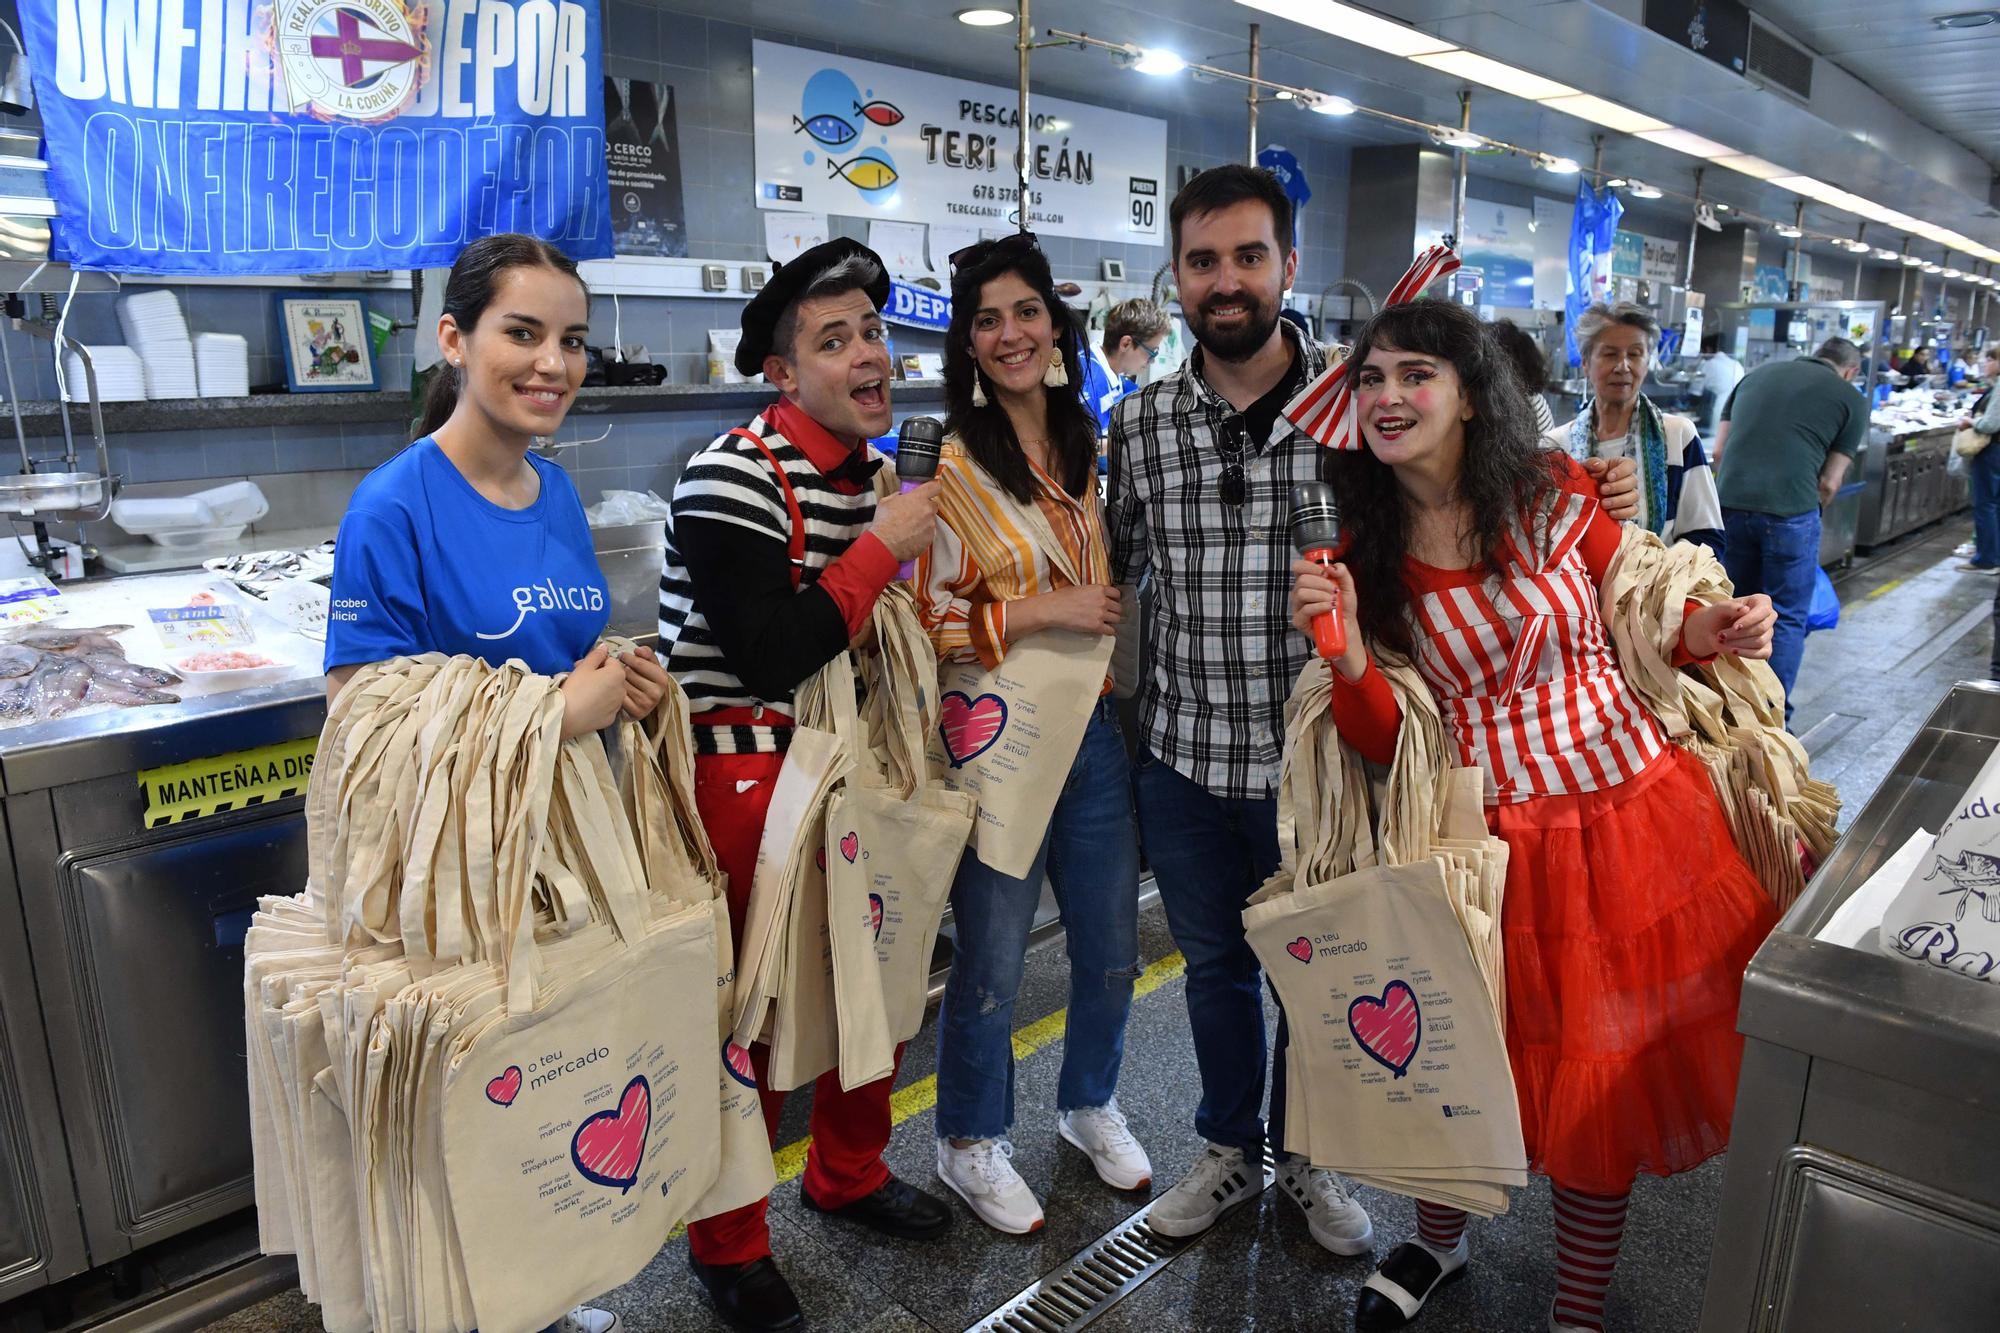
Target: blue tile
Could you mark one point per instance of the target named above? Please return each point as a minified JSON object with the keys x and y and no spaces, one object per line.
{"x":239,"y":452}
{"x":307,"y":449}
{"x":168,"y":456}
{"x":368,"y":446}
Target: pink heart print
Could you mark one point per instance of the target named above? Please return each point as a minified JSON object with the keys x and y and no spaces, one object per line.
{"x":850,"y":846}
{"x":819,"y":859}
{"x":737,"y":1061}
{"x":608,"y":1147}
{"x":970,"y":726}
{"x":1388,"y":1028}
{"x":1301,"y":949}
{"x":502,"y":1090}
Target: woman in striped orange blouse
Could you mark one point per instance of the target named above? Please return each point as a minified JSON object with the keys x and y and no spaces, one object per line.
{"x":1020,"y":551}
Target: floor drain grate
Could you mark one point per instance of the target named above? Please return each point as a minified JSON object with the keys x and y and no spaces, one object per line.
{"x":1099,"y":1276}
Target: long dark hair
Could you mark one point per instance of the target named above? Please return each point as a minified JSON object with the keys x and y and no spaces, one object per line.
{"x":470,"y":289}
{"x":986,"y":432}
{"x":1506,"y":472}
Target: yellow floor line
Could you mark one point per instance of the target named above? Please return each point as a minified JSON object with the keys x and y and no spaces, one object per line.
{"x":921,"y":1096}
{"x":1890,"y":586}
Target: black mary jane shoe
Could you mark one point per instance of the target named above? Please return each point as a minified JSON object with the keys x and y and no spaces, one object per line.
{"x":752,"y":1297}
{"x":1396,"y":1291}
{"x":896,"y":1209}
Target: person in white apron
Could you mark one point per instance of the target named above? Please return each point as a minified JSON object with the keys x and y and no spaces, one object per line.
{"x":1016,"y":594}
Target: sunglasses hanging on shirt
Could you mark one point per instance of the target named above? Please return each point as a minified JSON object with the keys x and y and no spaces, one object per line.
{"x":1233,"y":443}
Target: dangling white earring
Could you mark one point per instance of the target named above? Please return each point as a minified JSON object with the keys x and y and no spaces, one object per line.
{"x":1057,"y":375}
{"x":978,"y":390}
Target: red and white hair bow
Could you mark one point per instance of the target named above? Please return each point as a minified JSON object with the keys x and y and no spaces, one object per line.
{"x":1324,"y":409}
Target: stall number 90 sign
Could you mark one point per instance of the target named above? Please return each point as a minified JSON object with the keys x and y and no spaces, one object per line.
{"x":1143,"y":212}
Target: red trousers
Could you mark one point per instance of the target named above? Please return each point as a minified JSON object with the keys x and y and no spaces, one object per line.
{"x":849,"y":1129}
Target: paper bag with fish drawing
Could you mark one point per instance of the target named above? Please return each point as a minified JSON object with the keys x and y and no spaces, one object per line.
{"x":1948,"y":915}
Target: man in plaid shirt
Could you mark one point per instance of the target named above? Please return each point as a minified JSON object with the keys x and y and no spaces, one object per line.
{"x":1202,"y":467}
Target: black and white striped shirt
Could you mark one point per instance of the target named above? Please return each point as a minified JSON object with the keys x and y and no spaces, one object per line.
{"x":1222,"y":653}
{"x":731,"y":481}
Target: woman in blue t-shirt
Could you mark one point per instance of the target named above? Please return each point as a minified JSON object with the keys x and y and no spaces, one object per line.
{"x":466,"y":543}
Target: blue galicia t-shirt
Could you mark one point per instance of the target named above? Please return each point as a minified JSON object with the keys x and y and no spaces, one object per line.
{"x":426,"y":564}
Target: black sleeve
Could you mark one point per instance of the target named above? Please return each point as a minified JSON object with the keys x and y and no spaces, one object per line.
{"x":772,"y":637}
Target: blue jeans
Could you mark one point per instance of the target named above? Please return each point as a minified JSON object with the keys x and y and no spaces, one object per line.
{"x":1984,"y":470}
{"x":1209,"y":853}
{"x":1777,"y":557}
{"x":1091,"y":856}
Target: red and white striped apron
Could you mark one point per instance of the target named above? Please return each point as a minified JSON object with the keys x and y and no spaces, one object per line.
{"x":1524,"y":673}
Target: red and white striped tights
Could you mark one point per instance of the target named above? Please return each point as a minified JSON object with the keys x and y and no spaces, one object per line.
{"x":1589,"y":1230}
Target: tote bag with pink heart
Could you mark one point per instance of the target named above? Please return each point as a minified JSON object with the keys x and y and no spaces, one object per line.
{"x":1009,"y":735}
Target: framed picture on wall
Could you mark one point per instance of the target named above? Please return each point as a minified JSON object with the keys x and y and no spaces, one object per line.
{"x":326,"y":343}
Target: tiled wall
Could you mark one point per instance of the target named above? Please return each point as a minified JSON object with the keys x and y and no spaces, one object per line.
{"x":708,"y":63}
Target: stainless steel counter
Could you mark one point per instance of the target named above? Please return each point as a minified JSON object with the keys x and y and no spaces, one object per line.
{"x":1906,"y":482}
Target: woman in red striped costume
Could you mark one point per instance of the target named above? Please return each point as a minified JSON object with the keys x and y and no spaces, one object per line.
{"x":1629,"y":915}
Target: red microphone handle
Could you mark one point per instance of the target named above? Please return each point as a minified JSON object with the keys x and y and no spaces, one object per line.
{"x":1329,"y":627}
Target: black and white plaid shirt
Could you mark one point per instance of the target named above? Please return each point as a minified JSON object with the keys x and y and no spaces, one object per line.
{"x":1222,"y":653}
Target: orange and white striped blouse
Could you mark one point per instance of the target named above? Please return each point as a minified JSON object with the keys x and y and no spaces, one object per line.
{"x":983,"y":557}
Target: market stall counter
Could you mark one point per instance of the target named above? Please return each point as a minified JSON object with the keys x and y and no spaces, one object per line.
{"x":141,"y":838}
{"x":1863,"y":1182}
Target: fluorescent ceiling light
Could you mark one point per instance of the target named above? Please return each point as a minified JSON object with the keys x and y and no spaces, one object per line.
{"x":1329,"y":105}
{"x":1159,"y":62}
{"x":1721,"y":208}
{"x":1805,"y":185}
{"x":1354,"y":25}
{"x":1495,"y":74}
{"x":984,"y":18}
{"x":1755,"y":167}
{"x":1557,"y":166}
{"x":1682,"y":141}
{"x":1610,"y":115}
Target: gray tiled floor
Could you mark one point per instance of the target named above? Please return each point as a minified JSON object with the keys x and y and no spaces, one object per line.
{"x":1880,"y":672}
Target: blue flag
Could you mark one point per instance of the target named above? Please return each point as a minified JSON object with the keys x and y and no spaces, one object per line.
{"x":1281,"y":163}
{"x":1593,"y":231}
{"x":308,"y":136}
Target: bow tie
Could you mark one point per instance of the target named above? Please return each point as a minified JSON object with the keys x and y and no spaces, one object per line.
{"x":857,"y":468}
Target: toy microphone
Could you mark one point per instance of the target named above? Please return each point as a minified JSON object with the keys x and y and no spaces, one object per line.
{"x":917,"y":445}
{"x":1315,"y":530}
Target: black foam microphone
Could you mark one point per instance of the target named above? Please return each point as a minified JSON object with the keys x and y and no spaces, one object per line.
{"x":918,"y":441}
{"x":1315,"y":528}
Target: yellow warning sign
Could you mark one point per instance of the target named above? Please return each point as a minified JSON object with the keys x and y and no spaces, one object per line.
{"x":225,"y":782}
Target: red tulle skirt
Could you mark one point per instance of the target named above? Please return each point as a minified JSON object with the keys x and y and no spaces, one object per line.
{"x":1629,"y":920}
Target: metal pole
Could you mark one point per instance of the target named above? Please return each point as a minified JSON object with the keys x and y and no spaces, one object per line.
{"x":1458,"y":188}
{"x":1694,"y":229}
{"x":1902,"y":293}
{"x":1944,"y":289}
{"x":1597,"y":161}
{"x":1023,"y":44}
{"x":1250,"y":98}
{"x":1860,"y":234}
{"x":1797,"y":286}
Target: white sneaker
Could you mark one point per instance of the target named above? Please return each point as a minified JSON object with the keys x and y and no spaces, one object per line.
{"x":1336,"y":1221}
{"x":1100,"y":1133}
{"x":1219,"y":1181}
{"x":588,"y":1319}
{"x":984,"y":1176}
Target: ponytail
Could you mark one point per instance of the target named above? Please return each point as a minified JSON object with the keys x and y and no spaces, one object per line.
{"x":468,"y":291}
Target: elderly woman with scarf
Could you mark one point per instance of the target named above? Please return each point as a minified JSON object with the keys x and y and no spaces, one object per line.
{"x":1677,"y":496}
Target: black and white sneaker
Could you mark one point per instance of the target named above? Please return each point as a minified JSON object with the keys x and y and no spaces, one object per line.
{"x":1396,"y":1291}
{"x":1219,"y":1181}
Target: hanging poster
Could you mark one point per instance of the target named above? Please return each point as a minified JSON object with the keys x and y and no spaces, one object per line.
{"x":1500,"y":242}
{"x":643,"y":156}
{"x":308,"y":136}
{"x":1660,"y":261}
{"x":852,"y":137}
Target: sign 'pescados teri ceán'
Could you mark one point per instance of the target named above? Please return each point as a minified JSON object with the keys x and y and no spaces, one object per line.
{"x":301,"y":136}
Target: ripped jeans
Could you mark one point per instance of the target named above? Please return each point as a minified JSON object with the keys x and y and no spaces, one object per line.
{"x":1091,"y":856}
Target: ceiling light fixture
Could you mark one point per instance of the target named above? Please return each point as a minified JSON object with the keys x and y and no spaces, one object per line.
{"x":1971,"y":18}
{"x":1887,"y":254}
{"x":1598,"y":111}
{"x":1557,"y":166}
{"x":1954,"y":273}
{"x":1354,"y":25}
{"x":1912,"y":261}
{"x":1326,"y":104}
{"x":1722,"y":208}
{"x":1283,"y":95}
{"x":984,"y":18}
{"x":1449,"y":136}
{"x":1682,"y":141}
{"x":1933,"y":268}
{"x":1495,"y":74}
{"x":1641,"y":190}
{"x":1788,"y":231}
{"x":1156,"y":61}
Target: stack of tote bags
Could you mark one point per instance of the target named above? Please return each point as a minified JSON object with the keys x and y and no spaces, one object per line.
{"x":855,"y":867}
{"x":1382,"y":934}
{"x":476,"y":1095}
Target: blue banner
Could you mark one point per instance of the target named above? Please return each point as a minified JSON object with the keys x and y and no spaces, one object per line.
{"x":1593,"y":236}
{"x":917,"y":307}
{"x":308,"y":136}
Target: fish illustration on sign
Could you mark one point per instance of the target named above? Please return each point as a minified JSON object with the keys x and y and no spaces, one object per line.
{"x":880,"y":113}
{"x":1972,"y":875}
{"x":829,"y":130}
{"x":864,"y":172}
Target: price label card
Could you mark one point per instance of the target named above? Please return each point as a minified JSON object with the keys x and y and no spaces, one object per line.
{"x":183,"y":627}
{"x":29,"y":601}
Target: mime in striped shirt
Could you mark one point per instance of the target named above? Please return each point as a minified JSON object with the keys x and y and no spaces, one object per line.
{"x":776,"y":552}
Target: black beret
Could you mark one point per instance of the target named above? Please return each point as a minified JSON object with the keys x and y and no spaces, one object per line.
{"x":788,"y":282}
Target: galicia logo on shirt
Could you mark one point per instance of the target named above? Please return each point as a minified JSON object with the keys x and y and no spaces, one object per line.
{"x":549,"y":596}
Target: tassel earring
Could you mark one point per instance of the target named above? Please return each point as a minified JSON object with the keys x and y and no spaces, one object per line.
{"x":1057,"y":375}
{"x":978,"y":389}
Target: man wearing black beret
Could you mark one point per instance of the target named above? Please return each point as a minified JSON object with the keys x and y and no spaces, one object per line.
{"x":776,"y":551}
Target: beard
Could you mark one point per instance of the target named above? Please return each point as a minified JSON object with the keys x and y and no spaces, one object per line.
{"x":1260,"y":319}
